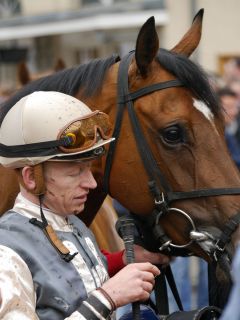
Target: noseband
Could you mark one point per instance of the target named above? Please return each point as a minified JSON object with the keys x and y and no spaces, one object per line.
{"x":163,"y":198}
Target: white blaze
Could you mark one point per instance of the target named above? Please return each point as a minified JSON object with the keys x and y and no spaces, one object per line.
{"x":202,"y":107}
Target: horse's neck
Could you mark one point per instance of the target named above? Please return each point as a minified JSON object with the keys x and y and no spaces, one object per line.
{"x":9,"y":189}
{"x":106,"y":99}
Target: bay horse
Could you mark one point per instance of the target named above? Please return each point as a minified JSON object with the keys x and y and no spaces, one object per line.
{"x":170,"y":161}
{"x":24,"y":76}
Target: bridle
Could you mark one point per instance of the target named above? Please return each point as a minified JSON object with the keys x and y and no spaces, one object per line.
{"x":157,"y":180}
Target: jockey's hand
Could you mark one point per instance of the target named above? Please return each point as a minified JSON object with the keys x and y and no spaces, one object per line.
{"x":143,"y":255}
{"x":133,"y":283}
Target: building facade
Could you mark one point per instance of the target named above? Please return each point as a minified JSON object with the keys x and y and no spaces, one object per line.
{"x":40,"y":32}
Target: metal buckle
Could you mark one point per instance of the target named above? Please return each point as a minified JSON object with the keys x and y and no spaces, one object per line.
{"x":217,"y":251}
{"x":161,"y":206}
{"x":219,"y":248}
{"x":166,"y":245}
{"x":161,"y":201}
{"x":215,"y":256}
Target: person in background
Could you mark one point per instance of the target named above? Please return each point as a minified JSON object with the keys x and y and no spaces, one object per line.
{"x":231,"y":70}
{"x":51,"y":266}
{"x":5,"y":92}
{"x":234,"y":86}
{"x":181,"y":267}
{"x":229,"y":102}
{"x":230,"y":99}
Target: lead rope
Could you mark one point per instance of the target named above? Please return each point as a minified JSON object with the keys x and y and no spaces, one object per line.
{"x":125,"y":227}
{"x":51,"y":235}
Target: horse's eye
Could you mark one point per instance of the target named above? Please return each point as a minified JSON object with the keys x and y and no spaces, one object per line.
{"x":172,"y":135}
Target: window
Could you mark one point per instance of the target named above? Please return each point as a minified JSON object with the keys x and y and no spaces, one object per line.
{"x":9,"y":8}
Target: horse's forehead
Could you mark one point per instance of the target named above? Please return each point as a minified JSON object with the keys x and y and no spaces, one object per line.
{"x":203,"y":108}
{"x":156,"y":74}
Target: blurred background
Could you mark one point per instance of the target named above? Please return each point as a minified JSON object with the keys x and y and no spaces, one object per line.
{"x":41,"y":32}
{"x":46,"y":35}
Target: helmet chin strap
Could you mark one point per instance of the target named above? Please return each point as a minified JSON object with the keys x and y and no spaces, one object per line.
{"x":48,"y":230}
{"x":39,"y":178}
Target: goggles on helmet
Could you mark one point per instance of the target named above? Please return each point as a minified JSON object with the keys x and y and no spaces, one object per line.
{"x":82,"y":134}
{"x":78,"y":136}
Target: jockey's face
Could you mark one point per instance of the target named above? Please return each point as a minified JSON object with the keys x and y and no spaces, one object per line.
{"x":67,"y":186}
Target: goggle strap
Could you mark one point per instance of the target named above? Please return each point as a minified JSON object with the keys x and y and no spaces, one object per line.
{"x":31,"y":148}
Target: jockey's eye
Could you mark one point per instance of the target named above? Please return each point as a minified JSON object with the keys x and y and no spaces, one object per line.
{"x":173,"y":135}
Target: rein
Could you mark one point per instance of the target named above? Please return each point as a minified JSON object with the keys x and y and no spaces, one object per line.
{"x":163,"y":198}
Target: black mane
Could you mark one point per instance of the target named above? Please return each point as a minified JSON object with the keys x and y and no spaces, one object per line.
{"x":88,"y":77}
{"x":191,"y":75}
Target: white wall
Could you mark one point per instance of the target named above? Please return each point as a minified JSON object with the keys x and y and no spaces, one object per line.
{"x":221,"y":31}
{"x":34,"y":7}
{"x":221,"y":28}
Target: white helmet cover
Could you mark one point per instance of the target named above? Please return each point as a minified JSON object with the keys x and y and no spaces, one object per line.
{"x":39,"y":118}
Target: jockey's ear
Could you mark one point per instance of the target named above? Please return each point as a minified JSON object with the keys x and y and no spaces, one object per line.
{"x":27,"y":179}
{"x":31,"y":178}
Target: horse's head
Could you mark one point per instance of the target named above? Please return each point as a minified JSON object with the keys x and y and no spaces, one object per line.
{"x":24,"y":76}
{"x":183,"y":127}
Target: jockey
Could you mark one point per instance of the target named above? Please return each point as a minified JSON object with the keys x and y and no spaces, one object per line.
{"x":51,"y":266}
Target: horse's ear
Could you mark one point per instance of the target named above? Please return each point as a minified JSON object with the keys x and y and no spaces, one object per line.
{"x":191,"y":39}
{"x":23,"y":73}
{"x":59,"y":65}
{"x":147,"y":46}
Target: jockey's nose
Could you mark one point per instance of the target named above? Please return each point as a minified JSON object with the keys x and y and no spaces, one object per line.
{"x":87,"y":179}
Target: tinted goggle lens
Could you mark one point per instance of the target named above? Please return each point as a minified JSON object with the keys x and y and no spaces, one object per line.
{"x":84,"y":133}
